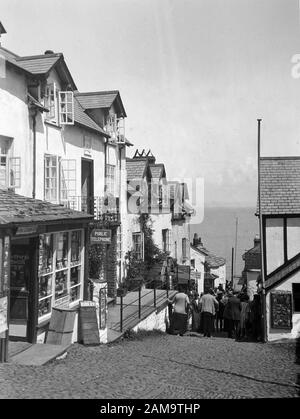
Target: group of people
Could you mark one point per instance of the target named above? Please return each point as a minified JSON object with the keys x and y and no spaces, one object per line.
{"x":216,"y":311}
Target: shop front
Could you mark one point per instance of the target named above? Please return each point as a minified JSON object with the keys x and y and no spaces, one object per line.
{"x":46,"y":271}
{"x":43,"y":265}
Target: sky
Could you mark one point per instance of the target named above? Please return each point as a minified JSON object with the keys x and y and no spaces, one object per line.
{"x":194,"y":76}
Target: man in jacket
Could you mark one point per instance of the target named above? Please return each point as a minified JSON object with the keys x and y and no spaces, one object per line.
{"x":209,"y":305}
{"x":232,"y":312}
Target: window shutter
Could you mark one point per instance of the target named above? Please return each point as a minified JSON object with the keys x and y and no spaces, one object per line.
{"x":14,"y":172}
{"x":66,"y":108}
{"x":67,"y":179}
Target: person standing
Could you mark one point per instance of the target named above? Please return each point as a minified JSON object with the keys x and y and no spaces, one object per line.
{"x":180,"y":312}
{"x":245,"y":316}
{"x":220,"y":313}
{"x":209,"y":305}
{"x":232,"y":313}
{"x":195,"y":313}
{"x":256,"y":313}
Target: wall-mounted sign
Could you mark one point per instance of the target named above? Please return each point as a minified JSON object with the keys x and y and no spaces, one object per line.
{"x":3,"y":314}
{"x":99,"y":236}
{"x":281,"y":310}
{"x":183,"y":274}
{"x":26,"y":230}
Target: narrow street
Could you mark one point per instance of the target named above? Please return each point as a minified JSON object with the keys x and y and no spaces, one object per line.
{"x":160,"y":366}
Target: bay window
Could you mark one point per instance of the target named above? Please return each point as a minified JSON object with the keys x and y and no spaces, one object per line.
{"x":60,"y":271}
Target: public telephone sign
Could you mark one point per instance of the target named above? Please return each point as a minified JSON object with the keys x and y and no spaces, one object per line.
{"x":99,"y":236}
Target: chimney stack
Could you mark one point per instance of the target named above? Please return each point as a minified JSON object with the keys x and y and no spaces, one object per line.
{"x":256,"y":240}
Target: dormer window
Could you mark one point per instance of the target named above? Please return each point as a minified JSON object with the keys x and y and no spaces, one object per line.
{"x":60,"y":105}
{"x":66,"y":108}
{"x":115,"y":127}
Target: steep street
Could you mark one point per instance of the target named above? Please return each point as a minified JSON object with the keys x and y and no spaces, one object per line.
{"x":161,"y":366}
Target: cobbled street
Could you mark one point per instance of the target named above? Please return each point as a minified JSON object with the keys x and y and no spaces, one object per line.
{"x":161,"y":366}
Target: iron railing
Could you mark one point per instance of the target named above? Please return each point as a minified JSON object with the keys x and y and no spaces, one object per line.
{"x":106,"y":209}
{"x":139,"y":305}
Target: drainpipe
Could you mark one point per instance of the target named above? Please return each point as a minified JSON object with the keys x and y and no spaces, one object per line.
{"x":33,"y":112}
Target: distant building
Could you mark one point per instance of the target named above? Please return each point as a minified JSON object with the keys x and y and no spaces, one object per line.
{"x":251,"y":272}
{"x":213,"y":272}
{"x":280,"y":210}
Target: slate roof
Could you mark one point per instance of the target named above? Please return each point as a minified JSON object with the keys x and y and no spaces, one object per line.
{"x":39,"y":64}
{"x":280,"y":185}
{"x":157,"y":170}
{"x":214,"y":261}
{"x":82,"y":118}
{"x":136,"y":169}
{"x":102,"y":100}
{"x":17,"y":209}
{"x":11,"y":58}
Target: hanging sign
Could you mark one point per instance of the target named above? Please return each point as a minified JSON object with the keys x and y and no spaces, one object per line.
{"x":100,"y":236}
{"x":26,"y":230}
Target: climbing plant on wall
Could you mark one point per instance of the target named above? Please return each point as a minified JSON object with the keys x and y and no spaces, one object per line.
{"x":137,"y":268}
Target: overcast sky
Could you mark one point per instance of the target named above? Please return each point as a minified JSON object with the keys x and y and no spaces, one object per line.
{"x":194,"y":76}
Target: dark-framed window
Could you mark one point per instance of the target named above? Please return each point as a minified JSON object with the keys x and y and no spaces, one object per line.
{"x":296,"y":297}
{"x":138,"y":245}
{"x":282,"y":241}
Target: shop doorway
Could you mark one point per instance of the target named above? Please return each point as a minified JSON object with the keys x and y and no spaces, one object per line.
{"x":87,"y":186}
{"x":23,"y":289}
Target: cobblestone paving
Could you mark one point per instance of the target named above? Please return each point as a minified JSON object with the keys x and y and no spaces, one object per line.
{"x":160,"y":366}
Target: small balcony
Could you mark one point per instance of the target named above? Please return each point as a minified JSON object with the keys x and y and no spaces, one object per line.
{"x":104,"y":209}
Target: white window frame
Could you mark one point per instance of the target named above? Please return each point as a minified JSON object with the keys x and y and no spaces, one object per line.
{"x":51,"y":103}
{"x":52,"y":274}
{"x":67,"y":170}
{"x":66,"y":178}
{"x":110,"y":179}
{"x":14,"y":169}
{"x":66,"y":107}
{"x":55,"y":199}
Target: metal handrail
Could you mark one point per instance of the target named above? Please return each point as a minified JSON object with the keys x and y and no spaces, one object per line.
{"x":124,"y":321}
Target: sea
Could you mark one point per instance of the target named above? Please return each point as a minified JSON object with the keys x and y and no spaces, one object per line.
{"x":218,"y":233}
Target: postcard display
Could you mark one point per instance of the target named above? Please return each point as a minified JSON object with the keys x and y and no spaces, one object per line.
{"x":60,"y":271}
{"x":4,"y":293}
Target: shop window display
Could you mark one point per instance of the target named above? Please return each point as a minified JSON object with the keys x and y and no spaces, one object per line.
{"x":60,"y":270}
{"x":62,"y":250}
